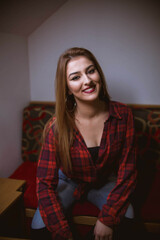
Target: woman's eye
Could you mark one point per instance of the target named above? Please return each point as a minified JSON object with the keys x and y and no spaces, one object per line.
{"x":75,"y":78}
{"x":91,"y":71}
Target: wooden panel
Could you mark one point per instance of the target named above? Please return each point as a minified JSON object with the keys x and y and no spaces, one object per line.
{"x":7,"y":238}
{"x":129,"y":104}
{"x":143,"y":105}
{"x":152,"y":227}
{"x":89,"y":220}
{"x":41,"y":102}
{"x":85,"y":220}
{"x":9,"y":192}
{"x":30,"y":212}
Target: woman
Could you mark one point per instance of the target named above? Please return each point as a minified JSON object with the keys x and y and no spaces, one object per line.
{"x":88,"y":152}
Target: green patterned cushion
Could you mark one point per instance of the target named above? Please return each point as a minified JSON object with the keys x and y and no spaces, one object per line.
{"x":147,"y":124}
{"x":35,"y":116}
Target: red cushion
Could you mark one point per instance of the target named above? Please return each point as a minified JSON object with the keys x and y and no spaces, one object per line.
{"x":27,"y":171}
{"x":151,"y":208}
{"x":84,"y":209}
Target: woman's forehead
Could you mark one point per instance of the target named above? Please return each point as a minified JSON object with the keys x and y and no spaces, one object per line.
{"x":78,"y":63}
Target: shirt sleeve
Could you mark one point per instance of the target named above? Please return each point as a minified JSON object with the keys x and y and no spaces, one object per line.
{"x":47,"y":180}
{"x":118,"y":199}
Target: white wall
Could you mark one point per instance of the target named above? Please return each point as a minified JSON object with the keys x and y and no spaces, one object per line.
{"x":14,"y":95}
{"x":124,"y":36}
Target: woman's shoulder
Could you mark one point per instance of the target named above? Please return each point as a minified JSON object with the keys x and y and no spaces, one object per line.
{"x":120,"y":105}
{"x":50,"y":125}
{"x":120,"y":108}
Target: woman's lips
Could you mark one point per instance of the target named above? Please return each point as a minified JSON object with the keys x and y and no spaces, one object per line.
{"x":89,"y":89}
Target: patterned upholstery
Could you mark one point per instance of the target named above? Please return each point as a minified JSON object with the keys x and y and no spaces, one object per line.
{"x":147,"y":124}
{"x":35,"y":116}
{"x":147,"y":198}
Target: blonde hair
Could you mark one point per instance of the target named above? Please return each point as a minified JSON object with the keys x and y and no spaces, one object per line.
{"x":64,"y":112}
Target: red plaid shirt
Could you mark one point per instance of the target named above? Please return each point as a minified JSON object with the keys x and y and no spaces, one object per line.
{"x":116,"y":154}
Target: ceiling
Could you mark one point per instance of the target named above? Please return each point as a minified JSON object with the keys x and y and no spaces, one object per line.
{"x":22,"y":17}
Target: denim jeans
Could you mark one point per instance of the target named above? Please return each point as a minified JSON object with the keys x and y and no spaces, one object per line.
{"x":65,"y":191}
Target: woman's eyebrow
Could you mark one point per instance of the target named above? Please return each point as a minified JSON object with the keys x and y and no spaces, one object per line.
{"x":73,"y":73}
{"x":92,"y":65}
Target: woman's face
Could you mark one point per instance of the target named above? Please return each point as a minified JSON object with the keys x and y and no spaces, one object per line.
{"x":83,"y":79}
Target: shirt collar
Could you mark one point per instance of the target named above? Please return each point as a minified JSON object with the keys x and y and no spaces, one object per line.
{"x":114,"y":111}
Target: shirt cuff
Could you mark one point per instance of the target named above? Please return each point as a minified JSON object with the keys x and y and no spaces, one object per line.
{"x":62,"y":234}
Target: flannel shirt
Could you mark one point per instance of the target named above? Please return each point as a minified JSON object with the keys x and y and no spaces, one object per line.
{"x":117,"y":153}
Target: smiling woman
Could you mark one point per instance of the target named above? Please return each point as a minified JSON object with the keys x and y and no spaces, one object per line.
{"x":88,"y":153}
{"x":66,"y":102}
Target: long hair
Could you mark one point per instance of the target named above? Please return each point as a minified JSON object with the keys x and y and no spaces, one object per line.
{"x":65,"y":103}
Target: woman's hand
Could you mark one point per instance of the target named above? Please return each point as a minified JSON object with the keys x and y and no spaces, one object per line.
{"x":102,"y":232}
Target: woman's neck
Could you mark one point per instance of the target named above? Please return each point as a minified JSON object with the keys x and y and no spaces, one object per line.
{"x":90,"y":109}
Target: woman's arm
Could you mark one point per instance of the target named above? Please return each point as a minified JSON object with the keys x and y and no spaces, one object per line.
{"x":118,"y":199}
{"x":47,"y":180}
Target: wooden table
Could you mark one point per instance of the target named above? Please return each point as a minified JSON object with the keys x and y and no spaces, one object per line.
{"x":12,"y":218}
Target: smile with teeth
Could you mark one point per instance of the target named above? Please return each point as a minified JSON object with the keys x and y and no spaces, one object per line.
{"x":89,"y":89}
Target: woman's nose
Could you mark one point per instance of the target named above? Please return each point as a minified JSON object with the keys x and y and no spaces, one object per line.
{"x":86,"y":79}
